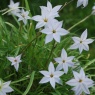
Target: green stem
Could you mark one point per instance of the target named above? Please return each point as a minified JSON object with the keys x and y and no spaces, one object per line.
{"x":22,"y":79}
{"x":30,"y":83}
{"x":67,"y":3}
{"x":29,"y":44}
{"x":79,"y":22}
{"x":51,"y":52}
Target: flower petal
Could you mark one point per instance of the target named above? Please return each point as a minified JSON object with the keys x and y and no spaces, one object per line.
{"x":56,"y":37}
{"x":58,"y":60}
{"x":44,"y":80}
{"x":76,"y":39}
{"x":51,"y":67}
{"x":58,"y":73}
{"x":59,"y":67}
{"x":46,"y":31}
{"x":48,"y":38}
{"x":64,"y":54}
{"x":52,"y":82}
{"x":58,"y":80}
{"x":45,"y":73}
{"x":72,"y":82}
{"x":84,"y":35}
{"x":40,"y":24}
{"x":85,"y":88}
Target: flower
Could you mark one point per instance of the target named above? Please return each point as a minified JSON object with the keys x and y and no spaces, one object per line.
{"x":42,"y":19}
{"x":15,"y":61}
{"x":64,"y":61}
{"x":82,"y":42}
{"x":51,"y":76}
{"x":23,"y":16}
{"x":50,"y":10}
{"x":80,"y":82}
{"x":53,"y":30}
{"x":80,"y":2}
{"x":14,"y":7}
{"x":5,"y":88}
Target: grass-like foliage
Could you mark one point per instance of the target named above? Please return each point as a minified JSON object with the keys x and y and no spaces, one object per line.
{"x":38,"y":56}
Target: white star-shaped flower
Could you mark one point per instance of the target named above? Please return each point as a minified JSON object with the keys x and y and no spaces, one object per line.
{"x":54,"y":30}
{"x":15,"y":61}
{"x":80,"y":82}
{"x":14,"y":7}
{"x":82,"y":42}
{"x":80,"y":2}
{"x":50,"y":10}
{"x":64,"y":61}
{"x":42,"y":19}
{"x":5,"y":88}
{"x":51,"y":76}
{"x":23,"y":15}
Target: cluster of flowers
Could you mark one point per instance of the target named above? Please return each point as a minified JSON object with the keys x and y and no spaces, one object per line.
{"x":53,"y":30}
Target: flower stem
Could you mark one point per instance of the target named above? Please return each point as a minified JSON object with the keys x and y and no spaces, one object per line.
{"x":67,"y":3}
{"x":79,"y":22}
{"x":51,"y":52}
{"x":29,"y":44}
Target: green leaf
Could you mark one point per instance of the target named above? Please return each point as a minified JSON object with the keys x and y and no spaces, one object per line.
{"x":30,"y":83}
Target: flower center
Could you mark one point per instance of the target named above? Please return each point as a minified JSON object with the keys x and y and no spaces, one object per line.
{"x":63,"y":61}
{"x":54,"y":31}
{"x":15,"y":60}
{"x":51,"y":75}
{"x":80,"y":41}
{"x":23,"y":15}
{"x":45,"y":20}
{"x":80,"y":80}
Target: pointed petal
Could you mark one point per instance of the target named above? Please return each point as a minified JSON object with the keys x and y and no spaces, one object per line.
{"x":76,"y":39}
{"x":37,"y":18}
{"x":85,"y":89}
{"x":64,"y":54}
{"x":84,"y":35}
{"x":65,"y":67}
{"x":62,"y":32}
{"x":11,"y":59}
{"x":58,"y":80}
{"x":8,"y":89}
{"x":70,"y":64}
{"x":40,"y":24}
{"x":56,"y":37}
{"x":74,"y":46}
{"x":58,"y":73}
{"x":79,"y":2}
{"x":49,"y":6}
{"x":72,"y":82}
{"x":16,"y":66}
{"x":56,"y":8}
{"x":59,"y":67}
{"x":48,"y":38}
{"x":82,"y":73}
{"x":52,"y":82}
{"x":86,"y":47}
{"x":88,"y":41}
{"x":51,"y":68}
{"x":70,"y":58}
{"x":77,"y":89}
{"x":46,"y":31}
{"x":85,"y":3}
{"x":59,"y":59}
{"x":44,"y":80}
{"x":45,"y":73}
{"x":81,"y":47}
{"x":76,"y":75}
